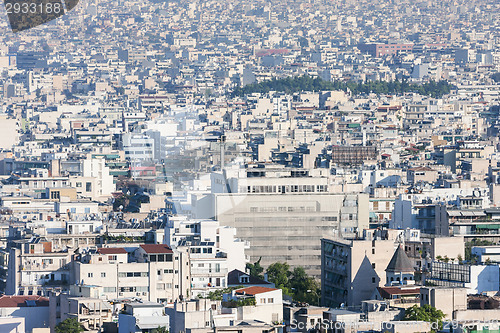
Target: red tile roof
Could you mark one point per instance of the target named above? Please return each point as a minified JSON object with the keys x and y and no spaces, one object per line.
{"x":111,"y":250}
{"x":251,"y":291}
{"x":156,"y":248}
{"x":20,"y":301}
{"x":388,"y":292}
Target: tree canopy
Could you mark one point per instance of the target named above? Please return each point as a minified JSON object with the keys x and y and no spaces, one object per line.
{"x":295,"y":283}
{"x":426,"y":313}
{"x":70,"y":325}
{"x":255,"y":269}
{"x":307,"y":83}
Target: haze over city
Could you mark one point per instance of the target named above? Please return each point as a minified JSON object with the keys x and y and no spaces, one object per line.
{"x":257,"y":166}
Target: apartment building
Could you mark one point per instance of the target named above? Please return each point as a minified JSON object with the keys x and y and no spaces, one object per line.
{"x":351,"y":270}
{"x":34,"y":269}
{"x":204,"y":315}
{"x":208,"y":267}
{"x":83,"y":302}
{"x":152,"y":272}
{"x":182,"y":229}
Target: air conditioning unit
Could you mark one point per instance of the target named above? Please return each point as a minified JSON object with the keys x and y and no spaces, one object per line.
{"x":137,"y":294}
{"x":120,"y":294}
{"x":144,"y":293}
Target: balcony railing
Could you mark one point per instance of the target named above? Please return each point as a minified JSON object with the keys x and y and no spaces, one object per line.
{"x":208,"y":272}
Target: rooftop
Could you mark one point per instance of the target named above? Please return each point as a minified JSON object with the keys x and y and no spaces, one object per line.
{"x":112,"y":250}
{"x":23,"y":301}
{"x":400,"y":262}
{"x":251,"y":291}
{"x":156,"y":248}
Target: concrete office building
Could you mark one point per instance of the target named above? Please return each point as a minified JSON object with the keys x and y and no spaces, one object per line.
{"x":283,"y":213}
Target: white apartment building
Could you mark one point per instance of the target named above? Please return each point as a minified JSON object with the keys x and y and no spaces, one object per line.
{"x":194,"y":315}
{"x":95,"y":182}
{"x":180,"y":228}
{"x":268,"y":306}
{"x":138,"y":146}
{"x":208,"y":268}
{"x":153,"y":272}
{"x":142,"y":316}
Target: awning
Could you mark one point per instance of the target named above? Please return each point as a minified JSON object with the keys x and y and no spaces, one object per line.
{"x":454,"y":213}
{"x":488,"y":226}
{"x":95,"y":306}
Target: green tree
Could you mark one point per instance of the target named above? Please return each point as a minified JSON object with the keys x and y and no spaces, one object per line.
{"x":70,"y":325}
{"x":426,"y":313}
{"x":305,"y":288}
{"x":255,"y":269}
{"x":307,"y":83}
{"x":160,"y":329}
{"x":279,"y":273}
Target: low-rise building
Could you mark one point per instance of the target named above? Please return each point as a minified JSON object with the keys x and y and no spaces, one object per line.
{"x":142,"y":317}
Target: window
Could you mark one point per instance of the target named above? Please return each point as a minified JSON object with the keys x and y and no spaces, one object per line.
{"x":103,"y":274}
{"x":78,"y":184}
{"x":90,"y":275}
{"x":270,"y":300}
{"x":88,"y":187}
{"x":373,"y":265}
{"x":112,"y":257}
{"x":373,"y":280}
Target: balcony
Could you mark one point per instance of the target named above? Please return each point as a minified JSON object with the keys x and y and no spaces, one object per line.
{"x":208,"y":272}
